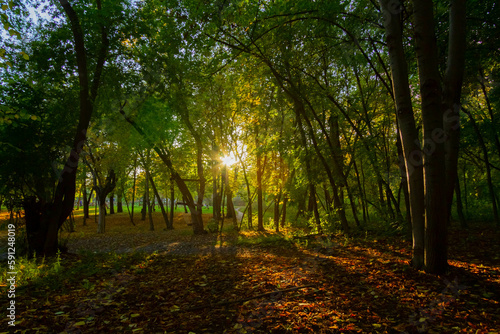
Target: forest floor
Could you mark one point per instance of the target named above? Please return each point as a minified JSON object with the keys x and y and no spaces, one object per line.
{"x":132,"y":280}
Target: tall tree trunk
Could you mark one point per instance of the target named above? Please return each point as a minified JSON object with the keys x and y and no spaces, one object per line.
{"x":44,"y":221}
{"x":452,"y":91}
{"x":408,"y":131}
{"x":436,"y":234}
{"x":260,"y":210}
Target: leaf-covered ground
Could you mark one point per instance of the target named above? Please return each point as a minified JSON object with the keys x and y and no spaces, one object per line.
{"x":260,"y":283}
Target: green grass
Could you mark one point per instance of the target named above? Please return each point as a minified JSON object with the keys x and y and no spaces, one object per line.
{"x":64,"y":273}
{"x":137,"y":209}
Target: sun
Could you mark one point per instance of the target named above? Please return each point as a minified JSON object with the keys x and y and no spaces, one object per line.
{"x":228,"y":160}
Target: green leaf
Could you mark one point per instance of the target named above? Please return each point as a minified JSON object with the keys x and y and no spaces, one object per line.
{"x":80,"y":323}
{"x":5,"y":7}
{"x":25,"y":55}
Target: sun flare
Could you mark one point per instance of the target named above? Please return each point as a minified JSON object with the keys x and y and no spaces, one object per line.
{"x":228,"y":160}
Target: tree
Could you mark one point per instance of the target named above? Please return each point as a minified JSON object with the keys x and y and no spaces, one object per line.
{"x":43,"y":220}
{"x":436,"y":107}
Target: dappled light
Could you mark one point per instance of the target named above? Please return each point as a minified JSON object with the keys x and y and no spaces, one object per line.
{"x":250,"y":166}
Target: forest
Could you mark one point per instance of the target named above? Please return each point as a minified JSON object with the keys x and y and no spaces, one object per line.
{"x":250,"y":166}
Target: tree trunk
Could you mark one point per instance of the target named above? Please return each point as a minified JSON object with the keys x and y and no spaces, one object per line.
{"x":231,"y":212}
{"x":101,"y":223}
{"x":260,"y":210}
{"x":148,"y":202}
{"x":277,"y":211}
{"x":436,"y":243}
{"x":46,"y":220}
{"x":119,"y":202}
{"x":85,"y":205}
{"x":144,"y":203}
{"x":77,"y":201}
{"x":361,"y":193}
{"x":404,"y":183}
{"x":172,"y":199}
{"x":452,"y":91}
{"x":408,"y":131}
{"x":133,"y":192}
{"x":112,"y":204}
{"x":283,"y":215}
{"x":460,"y":212}
{"x":160,"y":202}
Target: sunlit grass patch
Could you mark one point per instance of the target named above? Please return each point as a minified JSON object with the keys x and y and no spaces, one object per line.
{"x":266,"y":239}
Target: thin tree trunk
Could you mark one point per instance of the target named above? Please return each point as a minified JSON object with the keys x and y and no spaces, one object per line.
{"x":490,"y":112}
{"x":133,"y":191}
{"x":112,"y":204}
{"x":277,"y":211}
{"x":361,"y":193}
{"x":160,"y":202}
{"x":148,"y":202}
{"x":128,"y":210}
{"x":172,"y":199}
{"x":337,"y":201}
{"x":460,"y":213}
{"x":260,"y":212}
{"x":408,"y":131}
{"x":85,"y":205}
{"x":486,"y":159}
{"x":283,"y":215}
{"x":144,"y":202}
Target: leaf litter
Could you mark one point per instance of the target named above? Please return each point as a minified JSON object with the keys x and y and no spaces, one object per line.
{"x":187,"y":284}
